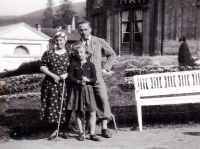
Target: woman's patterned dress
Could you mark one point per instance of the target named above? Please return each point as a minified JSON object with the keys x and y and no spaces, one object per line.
{"x":51,"y":92}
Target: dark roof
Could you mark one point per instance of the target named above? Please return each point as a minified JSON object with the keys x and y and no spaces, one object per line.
{"x":73,"y":36}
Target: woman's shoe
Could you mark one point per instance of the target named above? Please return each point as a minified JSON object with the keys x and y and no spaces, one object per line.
{"x":94,"y":138}
{"x":81,"y":137}
{"x":66,"y":135}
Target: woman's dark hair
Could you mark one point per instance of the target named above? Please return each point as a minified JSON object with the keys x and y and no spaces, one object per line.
{"x":182,"y":39}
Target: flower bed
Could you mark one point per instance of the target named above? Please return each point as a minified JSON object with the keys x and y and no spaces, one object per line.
{"x":20,"y":84}
{"x":131,"y":72}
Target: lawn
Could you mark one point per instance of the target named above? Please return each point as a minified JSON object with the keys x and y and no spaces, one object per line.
{"x":19,"y":109}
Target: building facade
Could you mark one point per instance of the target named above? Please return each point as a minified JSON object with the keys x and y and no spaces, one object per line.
{"x":146,"y":27}
{"x":20,"y":43}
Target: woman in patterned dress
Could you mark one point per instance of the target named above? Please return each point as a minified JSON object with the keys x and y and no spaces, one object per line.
{"x":54,"y":64}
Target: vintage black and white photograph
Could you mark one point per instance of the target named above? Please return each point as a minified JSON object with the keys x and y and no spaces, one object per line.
{"x":100,"y":74}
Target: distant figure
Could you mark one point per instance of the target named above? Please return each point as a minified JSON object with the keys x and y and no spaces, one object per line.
{"x":184,"y":55}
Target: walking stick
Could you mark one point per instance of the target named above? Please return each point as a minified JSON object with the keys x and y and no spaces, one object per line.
{"x":84,"y":123}
{"x":61,"y":109}
{"x":84,"y":113}
{"x":113,"y":118}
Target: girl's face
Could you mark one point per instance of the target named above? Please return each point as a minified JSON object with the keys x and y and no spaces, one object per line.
{"x":81,"y":54}
{"x":60,"y":42}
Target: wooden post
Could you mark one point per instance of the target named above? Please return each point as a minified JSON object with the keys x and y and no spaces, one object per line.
{"x":117,"y":33}
{"x":158,"y":27}
{"x":107,"y":26}
{"x":198,"y":30}
{"x":145,"y":44}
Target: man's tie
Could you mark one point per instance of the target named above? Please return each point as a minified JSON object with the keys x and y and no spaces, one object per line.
{"x":87,"y":42}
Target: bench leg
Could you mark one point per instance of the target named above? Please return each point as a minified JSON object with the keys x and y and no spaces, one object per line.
{"x":139,"y":114}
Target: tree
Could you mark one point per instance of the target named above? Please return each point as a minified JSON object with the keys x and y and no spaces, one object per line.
{"x":48,"y":19}
{"x":64,"y":14}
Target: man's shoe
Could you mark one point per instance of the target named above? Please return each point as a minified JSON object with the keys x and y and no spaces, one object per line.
{"x":106,"y":133}
{"x":66,"y":135}
{"x":94,"y":138}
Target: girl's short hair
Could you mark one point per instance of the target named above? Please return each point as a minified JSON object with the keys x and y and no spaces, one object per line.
{"x":78,"y":46}
{"x":60,"y":34}
{"x":183,"y":39}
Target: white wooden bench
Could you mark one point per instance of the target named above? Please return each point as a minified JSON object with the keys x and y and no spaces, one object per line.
{"x":160,"y":84}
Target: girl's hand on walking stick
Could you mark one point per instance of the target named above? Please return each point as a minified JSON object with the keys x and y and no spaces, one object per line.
{"x":85,"y":79}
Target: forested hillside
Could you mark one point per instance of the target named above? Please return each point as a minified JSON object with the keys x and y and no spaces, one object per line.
{"x":36,"y":17}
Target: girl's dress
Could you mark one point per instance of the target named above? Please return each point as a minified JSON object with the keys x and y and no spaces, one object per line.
{"x":51,"y":92}
{"x":81,"y":97}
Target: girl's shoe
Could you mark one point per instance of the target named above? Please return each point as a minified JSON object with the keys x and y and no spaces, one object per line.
{"x":81,"y":137}
{"x":66,"y":135}
{"x":94,"y":138}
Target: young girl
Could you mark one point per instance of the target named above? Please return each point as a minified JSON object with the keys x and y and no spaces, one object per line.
{"x":81,"y":99}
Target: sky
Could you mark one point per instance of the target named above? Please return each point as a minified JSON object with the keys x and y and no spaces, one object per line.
{"x":21,"y":7}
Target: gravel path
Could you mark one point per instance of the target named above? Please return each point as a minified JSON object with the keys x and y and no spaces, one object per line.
{"x":163,"y":138}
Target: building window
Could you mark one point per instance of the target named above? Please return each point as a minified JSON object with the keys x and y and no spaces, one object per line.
{"x":97,"y":25}
{"x":125,"y":27}
{"x":131,"y":26}
{"x":21,"y":50}
{"x":138,"y":26}
{"x":97,"y":4}
{"x":119,"y":2}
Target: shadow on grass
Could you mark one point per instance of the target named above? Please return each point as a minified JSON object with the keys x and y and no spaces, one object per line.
{"x":25,"y":124}
{"x":192,"y":133}
{"x":157,"y":116}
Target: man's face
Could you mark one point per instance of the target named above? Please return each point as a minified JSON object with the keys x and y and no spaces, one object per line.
{"x":84,"y":30}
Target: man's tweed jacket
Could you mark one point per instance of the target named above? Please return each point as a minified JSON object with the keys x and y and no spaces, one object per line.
{"x":100,"y":48}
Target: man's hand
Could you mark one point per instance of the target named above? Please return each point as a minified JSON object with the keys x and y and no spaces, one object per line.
{"x":106,"y":73}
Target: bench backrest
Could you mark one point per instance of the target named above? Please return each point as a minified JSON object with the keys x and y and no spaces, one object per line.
{"x":167,"y":83}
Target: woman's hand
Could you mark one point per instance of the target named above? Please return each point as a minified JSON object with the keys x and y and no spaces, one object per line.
{"x":56,"y":78}
{"x":63,"y":76}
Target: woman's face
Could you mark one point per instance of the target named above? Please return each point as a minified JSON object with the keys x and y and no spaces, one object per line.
{"x":60,"y":42}
{"x":181,"y":42}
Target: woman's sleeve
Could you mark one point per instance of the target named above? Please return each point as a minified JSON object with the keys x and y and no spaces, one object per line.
{"x":71,"y":73}
{"x":44,"y":59}
{"x":93,"y":78}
